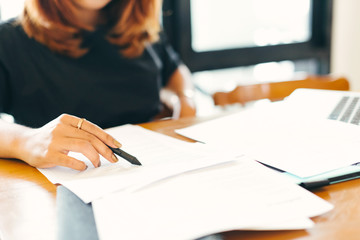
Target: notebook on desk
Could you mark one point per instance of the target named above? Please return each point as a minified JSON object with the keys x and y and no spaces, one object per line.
{"x":312,"y":132}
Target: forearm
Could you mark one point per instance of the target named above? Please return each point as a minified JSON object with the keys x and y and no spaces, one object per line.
{"x":11,"y":136}
{"x":178,"y":94}
{"x":180,"y":82}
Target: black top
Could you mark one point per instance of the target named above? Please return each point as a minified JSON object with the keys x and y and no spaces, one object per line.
{"x":37,"y":85}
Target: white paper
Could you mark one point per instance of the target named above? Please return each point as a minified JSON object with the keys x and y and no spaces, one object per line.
{"x":238,"y":195}
{"x":278,"y":137}
{"x":161,"y":157}
{"x":284,"y":224}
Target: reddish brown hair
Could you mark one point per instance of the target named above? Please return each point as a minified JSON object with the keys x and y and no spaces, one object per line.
{"x":132,"y":24}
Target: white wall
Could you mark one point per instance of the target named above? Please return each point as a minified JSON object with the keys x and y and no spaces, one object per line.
{"x":345,"y":58}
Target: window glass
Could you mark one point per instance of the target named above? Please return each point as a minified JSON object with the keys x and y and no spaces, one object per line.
{"x":227,"y":79}
{"x":224,"y":24}
{"x":10,"y":8}
{"x":224,"y":80}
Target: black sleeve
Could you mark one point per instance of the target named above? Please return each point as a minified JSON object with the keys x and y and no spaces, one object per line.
{"x":4,"y":90}
{"x":170,"y":59}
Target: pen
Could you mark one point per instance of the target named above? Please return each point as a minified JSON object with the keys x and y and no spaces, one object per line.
{"x":321,"y":183}
{"x":314,"y":184}
{"x":126,"y":156}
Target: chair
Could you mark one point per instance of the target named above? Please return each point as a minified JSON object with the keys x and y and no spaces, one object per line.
{"x":275,"y":91}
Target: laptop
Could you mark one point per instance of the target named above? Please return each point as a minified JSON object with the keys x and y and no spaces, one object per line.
{"x":341,"y":106}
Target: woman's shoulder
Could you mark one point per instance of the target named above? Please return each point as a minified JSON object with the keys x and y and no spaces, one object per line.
{"x":10,"y":32}
{"x":12,"y":36}
{"x":10,"y":26}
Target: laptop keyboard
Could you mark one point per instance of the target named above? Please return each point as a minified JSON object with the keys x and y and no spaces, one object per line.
{"x":347,"y":110}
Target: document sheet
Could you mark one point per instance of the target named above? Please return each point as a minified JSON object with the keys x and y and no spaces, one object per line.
{"x":277,"y":136}
{"x":242,"y":194}
{"x":161,"y":157}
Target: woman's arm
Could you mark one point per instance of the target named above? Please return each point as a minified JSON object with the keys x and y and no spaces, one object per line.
{"x":49,"y":145}
{"x":178,"y":94}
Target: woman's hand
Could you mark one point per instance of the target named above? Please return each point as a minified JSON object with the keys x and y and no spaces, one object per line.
{"x":49,"y":145}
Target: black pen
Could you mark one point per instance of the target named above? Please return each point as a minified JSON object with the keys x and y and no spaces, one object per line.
{"x":322,"y":183}
{"x":126,"y":156}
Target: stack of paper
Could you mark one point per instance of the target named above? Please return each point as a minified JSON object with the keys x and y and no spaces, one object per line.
{"x":185,"y":191}
{"x":237,"y":195}
{"x":279,"y":137}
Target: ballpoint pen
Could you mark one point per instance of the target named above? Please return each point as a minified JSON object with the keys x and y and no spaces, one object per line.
{"x":327,"y":181}
{"x":126,"y":156}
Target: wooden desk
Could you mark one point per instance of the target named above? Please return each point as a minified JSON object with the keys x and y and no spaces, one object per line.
{"x":28,"y":206}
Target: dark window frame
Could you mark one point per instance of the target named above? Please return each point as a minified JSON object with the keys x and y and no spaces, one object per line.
{"x":177,"y":24}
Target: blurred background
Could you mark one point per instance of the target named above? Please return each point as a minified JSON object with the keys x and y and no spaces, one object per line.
{"x":226,"y":43}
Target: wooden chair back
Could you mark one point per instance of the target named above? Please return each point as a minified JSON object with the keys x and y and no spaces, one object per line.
{"x":275,"y":91}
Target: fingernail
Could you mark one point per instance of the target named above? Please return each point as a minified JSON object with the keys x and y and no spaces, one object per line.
{"x":99,"y":164}
{"x":86,"y":167}
{"x":115,"y":158}
{"x":117,"y":144}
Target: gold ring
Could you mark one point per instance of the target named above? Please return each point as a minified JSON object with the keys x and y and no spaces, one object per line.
{"x":81,"y":120}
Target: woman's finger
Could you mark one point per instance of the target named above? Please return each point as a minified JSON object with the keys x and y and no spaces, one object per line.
{"x":91,"y":128}
{"x":99,"y":146}
{"x":79,"y":146}
{"x":70,"y":162}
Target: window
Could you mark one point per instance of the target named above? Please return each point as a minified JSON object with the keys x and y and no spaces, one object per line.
{"x":10,"y":9}
{"x":230,"y":42}
{"x":217,"y":34}
{"x":209,"y":34}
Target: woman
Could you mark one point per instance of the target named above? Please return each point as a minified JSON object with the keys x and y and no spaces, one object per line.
{"x":104,"y":61}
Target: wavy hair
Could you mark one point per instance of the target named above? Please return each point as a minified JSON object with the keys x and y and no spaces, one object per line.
{"x":131,"y":24}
